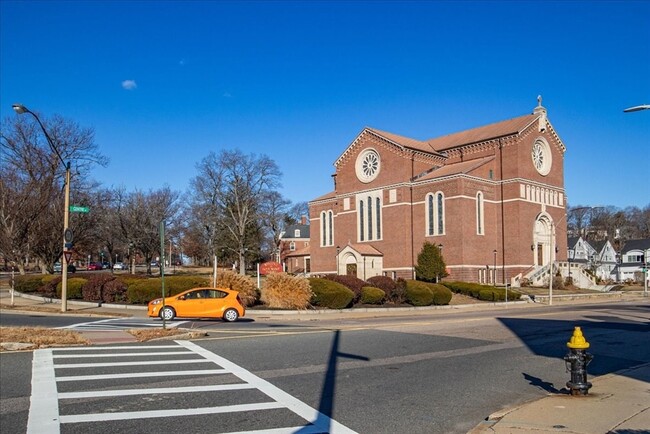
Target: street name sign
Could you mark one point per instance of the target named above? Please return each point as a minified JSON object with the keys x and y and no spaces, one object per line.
{"x":77,"y":208}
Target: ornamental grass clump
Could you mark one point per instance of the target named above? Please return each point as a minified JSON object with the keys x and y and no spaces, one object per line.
{"x":242,"y":284}
{"x":283,"y":291}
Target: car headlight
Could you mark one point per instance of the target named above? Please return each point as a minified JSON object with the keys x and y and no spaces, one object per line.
{"x":156,"y":301}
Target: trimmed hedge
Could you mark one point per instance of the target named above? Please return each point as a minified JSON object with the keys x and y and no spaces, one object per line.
{"x":73,"y":291}
{"x":351,"y":282}
{"x":384,"y":283}
{"x":418,"y":293}
{"x":28,"y":283}
{"x":482,"y":292}
{"x":330,"y":294}
{"x":372,"y":295}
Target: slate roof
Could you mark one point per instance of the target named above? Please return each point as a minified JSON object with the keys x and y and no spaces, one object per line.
{"x":642,"y":244}
{"x":572,"y":241}
{"x":405,"y":141}
{"x":288,"y":233}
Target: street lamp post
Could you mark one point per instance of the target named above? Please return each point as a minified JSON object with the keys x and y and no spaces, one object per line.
{"x":21,"y":109}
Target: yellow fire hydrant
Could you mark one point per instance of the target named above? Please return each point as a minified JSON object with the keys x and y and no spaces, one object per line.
{"x":576,"y":363}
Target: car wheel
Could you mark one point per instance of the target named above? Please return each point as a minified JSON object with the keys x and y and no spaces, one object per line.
{"x":230,"y":315}
{"x":167,"y":313}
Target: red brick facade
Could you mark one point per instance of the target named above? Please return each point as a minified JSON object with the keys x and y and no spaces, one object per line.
{"x":393,"y":193}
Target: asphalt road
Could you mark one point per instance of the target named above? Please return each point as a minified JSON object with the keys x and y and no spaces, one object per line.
{"x":427,"y":373}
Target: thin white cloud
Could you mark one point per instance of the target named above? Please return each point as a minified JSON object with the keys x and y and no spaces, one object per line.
{"x":227,"y":95}
{"x":129,"y":84}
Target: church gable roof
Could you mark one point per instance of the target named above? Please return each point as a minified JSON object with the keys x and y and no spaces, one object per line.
{"x":462,"y":167}
{"x":484,"y":133}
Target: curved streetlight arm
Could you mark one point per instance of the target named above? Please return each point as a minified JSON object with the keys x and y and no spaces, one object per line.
{"x":637,"y":108}
{"x":20,"y":109}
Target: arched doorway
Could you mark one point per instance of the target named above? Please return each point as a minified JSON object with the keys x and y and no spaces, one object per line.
{"x":350,"y":265}
{"x":542,"y":240}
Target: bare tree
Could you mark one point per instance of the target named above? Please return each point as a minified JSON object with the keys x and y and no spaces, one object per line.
{"x":31,"y":188}
{"x":140,"y":215}
{"x":233,"y":186}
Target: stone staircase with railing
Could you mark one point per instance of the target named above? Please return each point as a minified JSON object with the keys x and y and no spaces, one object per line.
{"x":539,"y":276}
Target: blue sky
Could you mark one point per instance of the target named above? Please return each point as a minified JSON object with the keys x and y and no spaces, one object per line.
{"x":163,"y":83}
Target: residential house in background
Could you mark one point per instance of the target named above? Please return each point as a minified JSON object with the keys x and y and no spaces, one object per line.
{"x":599,"y":257}
{"x":633,"y":257}
{"x":294,"y":247}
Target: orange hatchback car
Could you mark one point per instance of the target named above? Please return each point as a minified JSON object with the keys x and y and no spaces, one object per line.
{"x":200,"y":303}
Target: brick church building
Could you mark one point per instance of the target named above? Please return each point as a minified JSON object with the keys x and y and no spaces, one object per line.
{"x":492,"y":198}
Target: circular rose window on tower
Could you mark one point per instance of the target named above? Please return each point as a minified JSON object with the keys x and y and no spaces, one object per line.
{"x":368,"y":165}
{"x":541,"y":155}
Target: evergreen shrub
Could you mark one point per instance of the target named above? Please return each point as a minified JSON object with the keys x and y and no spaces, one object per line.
{"x":92,"y":289}
{"x":418,"y":293}
{"x":384,"y":283}
{"x":283,"y":291}
{"x":482,"y":292}
{"x":372,"y":295}
{"x":351,"y":282}
{"x":28,"y":283}
{"x":441,"y":294}
{"x":73,"y":290}
{"x":330,"y":294}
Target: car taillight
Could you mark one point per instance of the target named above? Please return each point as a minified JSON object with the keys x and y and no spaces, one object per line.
{"x":239,"y":300}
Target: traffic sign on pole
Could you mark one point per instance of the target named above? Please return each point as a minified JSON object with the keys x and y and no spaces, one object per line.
{"x":68,"y":256}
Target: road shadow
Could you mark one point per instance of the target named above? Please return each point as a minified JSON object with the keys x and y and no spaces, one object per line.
{"x":616,"y":343}
{"x":326,"y":405}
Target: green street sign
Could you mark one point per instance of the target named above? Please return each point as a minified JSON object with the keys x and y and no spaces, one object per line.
{"x":77,"y":208}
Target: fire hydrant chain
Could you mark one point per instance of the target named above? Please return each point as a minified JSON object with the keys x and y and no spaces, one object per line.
{"x":576,"y":363}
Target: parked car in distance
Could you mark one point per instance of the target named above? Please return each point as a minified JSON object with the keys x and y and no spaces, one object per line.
{"x":94,"y":266}
{"x":106,"y":265}
{"x":71,"y":268}
{"x":120,"y":266}
{"x":199,"y":303}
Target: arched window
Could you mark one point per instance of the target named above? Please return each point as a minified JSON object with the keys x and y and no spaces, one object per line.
{"x":440,"y":211}
{"x":292,"y":246}
{"x":430,"y":215}
{"x":327,"y":228}
{"x":369,"y":216}
{"x":435,"y":214}
{"x":330,"y":228}
{"x":480,"y":230}
{"x":323,"y":230}
{"x":378,"y":208}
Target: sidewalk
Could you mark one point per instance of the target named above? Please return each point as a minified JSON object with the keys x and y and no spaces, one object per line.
{"x":616,"y":403}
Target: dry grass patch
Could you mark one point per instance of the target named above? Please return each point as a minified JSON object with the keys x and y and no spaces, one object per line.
{"x":143,"y":335}
{"x":41,"y":337}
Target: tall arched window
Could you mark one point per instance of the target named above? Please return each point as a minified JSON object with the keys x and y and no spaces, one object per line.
{"x":323,"y":230}
{"x":330,"y":228}
{"x":378,"y":208}
{"x":361,"y":220}
{"x":435,"y":214}
{"x":431,"y":220}
{"x":369,"y":208}
{"x":480,"y":230}
{"x":440,"y":211}
{"x":327,"y":228}
{"x":369,"y":218}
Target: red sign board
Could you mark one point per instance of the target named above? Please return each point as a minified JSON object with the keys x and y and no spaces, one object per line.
{"x":270,"y":267}
{"x":68,"y":256}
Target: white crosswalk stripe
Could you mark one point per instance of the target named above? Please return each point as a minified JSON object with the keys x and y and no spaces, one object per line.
{"x":46,"y":400}
{"x":122,"y":324}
